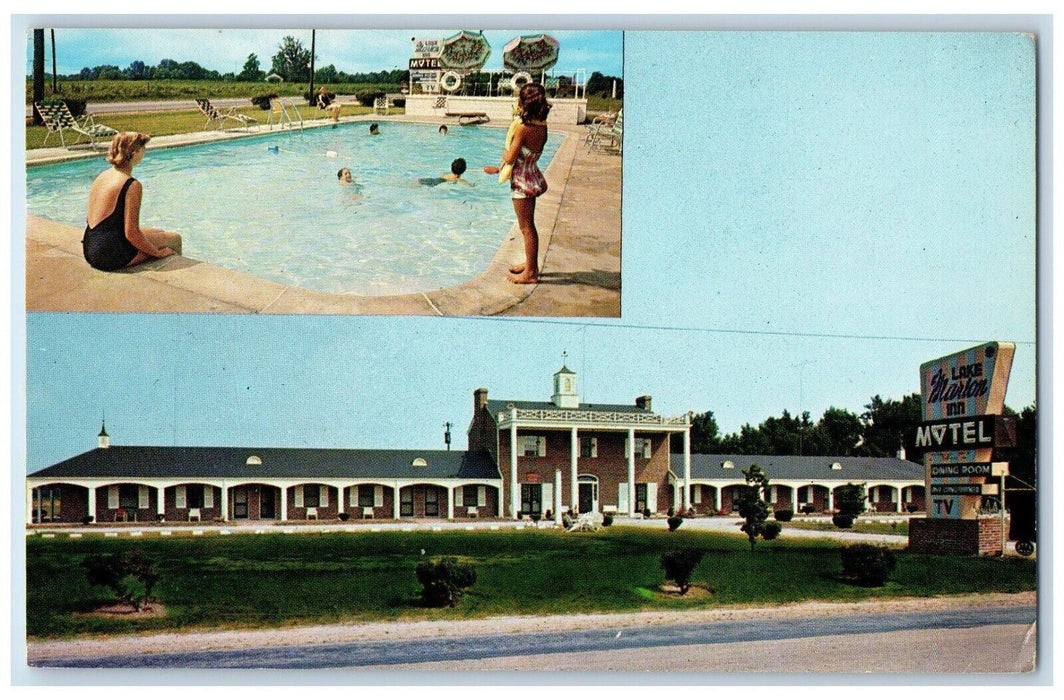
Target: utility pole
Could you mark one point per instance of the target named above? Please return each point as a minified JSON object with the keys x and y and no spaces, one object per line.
{"x":38,"y":71}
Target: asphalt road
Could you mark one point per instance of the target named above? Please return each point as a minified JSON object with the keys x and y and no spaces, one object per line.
{"x":378,"y":655}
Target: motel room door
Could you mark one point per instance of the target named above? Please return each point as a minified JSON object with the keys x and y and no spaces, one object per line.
{"x":267,"y":502}
{"x":240,"y":503}
{"x":588,"y":494}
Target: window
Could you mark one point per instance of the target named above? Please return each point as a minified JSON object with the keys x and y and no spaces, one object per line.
{"x":406,"y":501}
{"x":311,"y":496}
{"x":531,"y":498}
{"x":642,"y":447}
{"x":194,"y":496}
{"x":469,"y":496}
{"x":588,"y":446}
{"x":640,"y":498}
{"x":432,"y":500}
{"x":533,"y":446}
{"x":128,"y":496}
{"x":365,"y":496}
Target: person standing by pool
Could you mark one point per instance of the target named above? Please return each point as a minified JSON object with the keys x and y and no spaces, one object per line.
{"x":526,"y":181}
{"x":113,"y":236}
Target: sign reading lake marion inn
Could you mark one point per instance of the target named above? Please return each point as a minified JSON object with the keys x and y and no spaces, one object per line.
{"x":963,"y":395}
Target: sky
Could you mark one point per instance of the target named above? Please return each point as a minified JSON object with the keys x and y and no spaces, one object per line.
{"x":807,"y":218}
{"x":349,"y":50}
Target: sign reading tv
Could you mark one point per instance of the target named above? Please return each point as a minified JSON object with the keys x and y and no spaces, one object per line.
{"x":963,"y":395}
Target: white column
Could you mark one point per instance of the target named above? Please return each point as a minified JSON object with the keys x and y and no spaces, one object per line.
{"x":574,"y":487}
{"x":92,"y":502}
{"x":160,"y":500}
{"x":831,"y":499}
{"x":284,"y":503}
{"x":450,"y":502}
{"x":716,"y":498}
{"x":225,"y":503}
{"x":900,"y":489}
{"x":29,"y":505}
{"x":515,"y":494}
{"x":631,"y":472}
{"x":558,"y":496}
{"x":395,"y":500}
{"x":687,"y":469}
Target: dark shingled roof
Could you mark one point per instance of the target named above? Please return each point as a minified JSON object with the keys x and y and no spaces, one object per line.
{"x":496,"y":406}
{"x":705,"y":466}
{"x":277,"y":463}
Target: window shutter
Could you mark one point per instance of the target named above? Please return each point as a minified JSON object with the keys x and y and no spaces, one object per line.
{"x":548,"y":497}
{"x":323,"y":497}
{"x":179,"y":497}
{"x":208,"y":496}
{"x":622,"y":497}
{"x":112,"y":497}
{"x":541,"y":447}
{"x":696,"y":494}
{"x":652,"y":497}
{"x":458,"y":495}
{"x":142,"y":497}
{"x":352,"y":496}
{"x":482,"y":496}
{"x":378,"y":496}
{"x":594,"y":447}
{"x":299,"y":497}
{"x":646,"y":450}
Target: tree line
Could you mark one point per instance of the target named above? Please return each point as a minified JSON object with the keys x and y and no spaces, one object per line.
{"x":291,"y":62}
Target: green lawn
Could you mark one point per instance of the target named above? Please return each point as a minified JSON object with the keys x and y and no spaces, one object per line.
{"x":166,"y":123}
{"x":282,"y":579}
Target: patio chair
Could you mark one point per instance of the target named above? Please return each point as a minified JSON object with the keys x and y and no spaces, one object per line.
{"x":332,"y":107}
{"x":380,"y":106}
{"x":611,"y":137}
{"x":57,"y":118}
{"x":213,"y":115}
{"x":281,"y":111}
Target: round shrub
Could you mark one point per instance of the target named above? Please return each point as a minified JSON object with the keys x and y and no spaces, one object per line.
{"x":87,"y":519}
{"x":911,"y":507}
{"x":443,"y":581}
{"x":607,"y":520}
{"x":867,"y":564}
{"x":674,"y":523}
{"x":263,"y":101}
{"x":784,"y":515}
{"x":679,"y":565}
{"x":646,"y":512}
{"x":344,"y":516}
{"x":772,"y":531}
{"x":808,"y":509}
{"x":842,"y":520}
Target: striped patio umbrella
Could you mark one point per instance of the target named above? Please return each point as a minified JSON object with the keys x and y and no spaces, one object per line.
{"x":533,"y":53}
{"x":465,"y":51}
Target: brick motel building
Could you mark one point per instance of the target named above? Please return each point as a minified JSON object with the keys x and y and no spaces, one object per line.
{"x":524,"y":458}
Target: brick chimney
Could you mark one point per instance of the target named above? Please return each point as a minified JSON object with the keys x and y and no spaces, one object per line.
{"x":643,"y":402}
{"x":479,"y":435}
{"x":480,"y":399}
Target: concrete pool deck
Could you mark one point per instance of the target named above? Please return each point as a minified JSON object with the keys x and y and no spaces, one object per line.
{"x":579,"y":221}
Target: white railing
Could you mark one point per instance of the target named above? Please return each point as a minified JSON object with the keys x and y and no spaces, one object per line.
{"x":548,"y":415}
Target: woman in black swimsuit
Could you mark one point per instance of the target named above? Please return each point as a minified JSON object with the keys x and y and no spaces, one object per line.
{"x":113,"y":236}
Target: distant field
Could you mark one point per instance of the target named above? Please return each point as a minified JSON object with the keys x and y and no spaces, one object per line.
{"x":278,"y":579}
{"x":140,"y":90}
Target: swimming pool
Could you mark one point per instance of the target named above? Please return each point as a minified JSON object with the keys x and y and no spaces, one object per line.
{"x":271,"y":205}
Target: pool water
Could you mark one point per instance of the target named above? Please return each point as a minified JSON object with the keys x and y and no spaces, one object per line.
{"x":271,"y":205}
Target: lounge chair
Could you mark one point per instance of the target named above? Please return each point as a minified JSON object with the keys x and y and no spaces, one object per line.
{"x":608,"y":137}
{"x":380,"y":106}
{"x":213,"y":115}
{"x":57,"y":118}
{"x":282,"y":111}
{"x":332,"y":108}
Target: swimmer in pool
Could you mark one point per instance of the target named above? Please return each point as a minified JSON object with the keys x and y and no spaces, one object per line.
{"x":374,"y":130}
{"x":458,"y":167}
{"x":344,"y":176}
{"x":443,"y":129}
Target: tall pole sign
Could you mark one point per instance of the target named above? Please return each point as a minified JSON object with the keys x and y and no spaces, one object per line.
{"x":963,"y":395}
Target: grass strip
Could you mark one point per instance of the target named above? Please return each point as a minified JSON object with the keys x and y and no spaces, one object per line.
{"x":272,"y":580}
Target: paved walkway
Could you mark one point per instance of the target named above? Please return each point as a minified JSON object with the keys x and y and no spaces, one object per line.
{"x":579,"y":220}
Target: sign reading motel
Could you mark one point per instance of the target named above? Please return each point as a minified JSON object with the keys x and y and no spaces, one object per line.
{"x":965,"y":434}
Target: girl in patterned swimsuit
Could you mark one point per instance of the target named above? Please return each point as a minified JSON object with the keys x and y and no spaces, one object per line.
{"x":527,"y":182}
{"x":116,"y":239}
